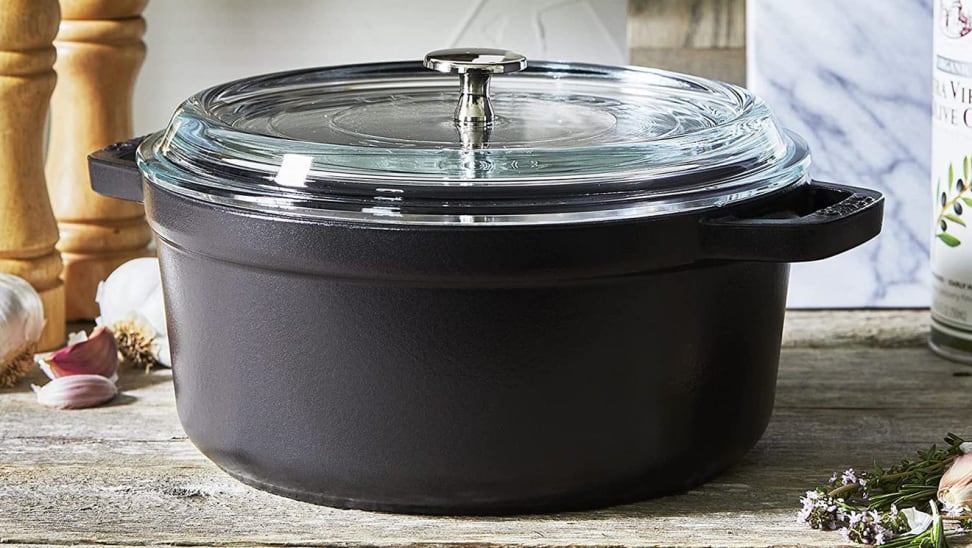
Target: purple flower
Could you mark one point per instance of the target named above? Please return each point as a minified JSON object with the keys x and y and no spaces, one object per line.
{"x":848,"y":477}
{"x":866,"y":528}
{"x":821,"y":511}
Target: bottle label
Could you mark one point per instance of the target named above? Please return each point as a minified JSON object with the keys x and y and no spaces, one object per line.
{"x":951,"y":167}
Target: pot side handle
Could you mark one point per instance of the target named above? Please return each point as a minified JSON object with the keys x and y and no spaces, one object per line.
{"x":816,"y":221}
{"x":114,"y":173}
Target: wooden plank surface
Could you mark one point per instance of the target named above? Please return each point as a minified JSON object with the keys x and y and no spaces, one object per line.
{"x":728,"y":65}
{"x":854,"y":388}
{"x":696,"y":24}
{"x":701,"y":37}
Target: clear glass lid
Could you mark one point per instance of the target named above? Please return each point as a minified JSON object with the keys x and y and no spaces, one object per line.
{"x":490,"y":143}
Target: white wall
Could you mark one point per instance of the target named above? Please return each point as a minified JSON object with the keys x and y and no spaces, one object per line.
{"x":193,"y":44}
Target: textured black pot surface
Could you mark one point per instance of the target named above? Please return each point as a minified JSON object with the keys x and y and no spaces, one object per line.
{"x":471,"y":400}
{"x":453,"y":398}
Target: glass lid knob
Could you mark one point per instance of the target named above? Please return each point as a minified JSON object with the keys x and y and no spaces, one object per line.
{"x":474,"y":67}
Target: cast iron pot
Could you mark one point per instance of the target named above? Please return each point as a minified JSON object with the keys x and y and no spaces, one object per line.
{"x":480,"y":368}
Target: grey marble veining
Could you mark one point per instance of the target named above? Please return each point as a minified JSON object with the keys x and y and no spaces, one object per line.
{"x":854,"y":79}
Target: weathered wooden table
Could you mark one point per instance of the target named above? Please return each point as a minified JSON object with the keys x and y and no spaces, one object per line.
{"x":855,"y":388}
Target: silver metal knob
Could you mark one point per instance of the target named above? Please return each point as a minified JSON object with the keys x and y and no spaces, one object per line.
{"x":474,"y":67}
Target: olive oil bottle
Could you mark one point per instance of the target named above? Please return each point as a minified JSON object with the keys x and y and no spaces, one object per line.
{"x":951,"y":243}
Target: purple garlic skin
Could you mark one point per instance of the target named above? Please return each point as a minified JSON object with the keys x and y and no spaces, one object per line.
{"x":955,"y":487}
{"x":76,"y":391}
{"x":98,"y":355}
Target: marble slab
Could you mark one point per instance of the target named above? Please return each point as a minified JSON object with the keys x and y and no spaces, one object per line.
{"x":854,"y":79}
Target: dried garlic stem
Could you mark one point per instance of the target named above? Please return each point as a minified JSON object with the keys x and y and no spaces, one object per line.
{"x":135,"y":343}
{"x":17,"y":365}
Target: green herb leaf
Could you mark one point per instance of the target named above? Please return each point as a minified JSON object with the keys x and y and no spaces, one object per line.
{"x":955,"y":219}
{"x":967,"y":200}
{"x":950,"y":241}
{"x":951,"y":175}
{"x":938,"y":528}
{"x":965,"y":169}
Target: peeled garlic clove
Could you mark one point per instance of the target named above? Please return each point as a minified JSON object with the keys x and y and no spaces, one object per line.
{"x":95,"y":355}
{"x":76,"y":391}
{"x":21,"y":324}
{"x":955,"y":487}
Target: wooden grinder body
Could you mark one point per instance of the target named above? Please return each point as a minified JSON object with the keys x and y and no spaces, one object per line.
{"x":99,"y":53}
{"x":28,"y":232}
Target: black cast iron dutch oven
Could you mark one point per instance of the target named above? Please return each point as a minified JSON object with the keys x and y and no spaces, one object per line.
{"x":566,"y":297}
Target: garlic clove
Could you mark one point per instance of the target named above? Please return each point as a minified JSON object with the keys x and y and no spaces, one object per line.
{"x":94,"y":355}
{"x":76,"y":391}
{"x":21,"y":324}
{"x":918,"y":521}
{"x":955,"y":487}
{"x":39,"y":359}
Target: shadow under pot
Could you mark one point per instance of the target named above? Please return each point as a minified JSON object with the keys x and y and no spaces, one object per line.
{"x":565,"y":292}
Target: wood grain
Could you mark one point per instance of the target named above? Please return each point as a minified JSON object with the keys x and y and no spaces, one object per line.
{"x":696,"y":24}
{"x":99,"y":51}
{"x":867,"y":328}
{"x":126,"y":475}
{"x":701,"y":37}
{"x":28,"y":232}
{"x":728,"y":65}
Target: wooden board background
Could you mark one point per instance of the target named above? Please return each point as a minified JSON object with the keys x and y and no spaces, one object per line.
{"x":702,"y":37}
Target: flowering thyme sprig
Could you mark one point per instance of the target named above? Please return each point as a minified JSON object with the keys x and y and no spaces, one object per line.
{"x":821,"y":511}
{"x":873,"y":527}
{"x":864,"y":506}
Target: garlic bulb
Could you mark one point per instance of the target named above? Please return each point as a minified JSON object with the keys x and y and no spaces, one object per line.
{"x":131,"y":305}
{"x":21,"y":324}
{"x":84,"y":355}
{"x":955,"y":487}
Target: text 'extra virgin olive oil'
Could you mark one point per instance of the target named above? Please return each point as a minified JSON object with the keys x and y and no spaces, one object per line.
{"x":951,"y":244}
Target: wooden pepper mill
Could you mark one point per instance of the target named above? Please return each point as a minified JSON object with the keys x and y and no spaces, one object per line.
{"x":99,"y":52}
{"x":28,"y":231}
